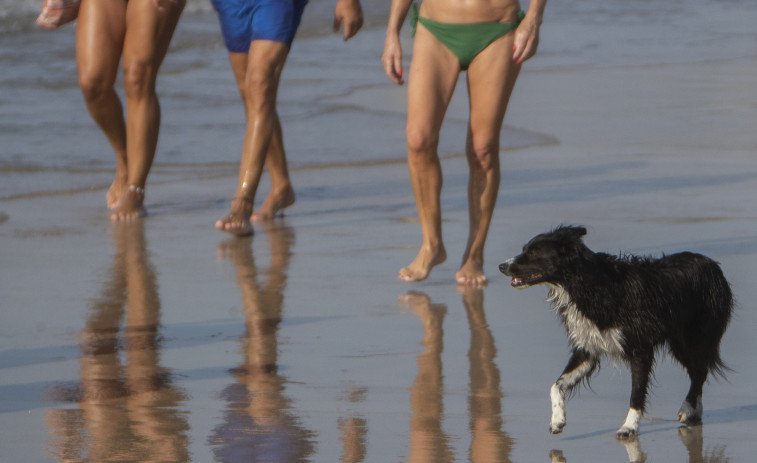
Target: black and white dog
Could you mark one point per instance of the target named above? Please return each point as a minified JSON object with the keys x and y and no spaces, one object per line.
{"x":627,"y":308}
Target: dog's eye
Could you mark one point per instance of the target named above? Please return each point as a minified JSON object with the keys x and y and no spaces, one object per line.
{"x":535,"y":248}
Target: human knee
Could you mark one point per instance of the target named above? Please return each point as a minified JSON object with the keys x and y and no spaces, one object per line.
{"x":94,"y":86}
{"x":259,"y":89}
{"x":421,"y":142}
{"x":139,"y":78}
{"x":484,"y":155}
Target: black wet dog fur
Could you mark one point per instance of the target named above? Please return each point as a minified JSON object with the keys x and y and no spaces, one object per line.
{"x":628,"y":308}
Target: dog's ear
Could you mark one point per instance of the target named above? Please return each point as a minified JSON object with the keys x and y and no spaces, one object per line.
{"x":573,"y":231}
{"x":579,"y":231}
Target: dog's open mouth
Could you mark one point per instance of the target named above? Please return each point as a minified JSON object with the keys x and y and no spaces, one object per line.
{"x":526,"y":280}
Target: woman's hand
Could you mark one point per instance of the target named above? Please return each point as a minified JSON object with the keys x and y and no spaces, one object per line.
{"x":526,"y":39}
{"x":392,"y":59}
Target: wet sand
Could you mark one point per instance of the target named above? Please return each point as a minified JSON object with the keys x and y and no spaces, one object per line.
{"x":166,"y":340}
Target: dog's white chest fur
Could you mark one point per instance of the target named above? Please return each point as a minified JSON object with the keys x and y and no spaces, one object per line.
{"x":582,"y":332}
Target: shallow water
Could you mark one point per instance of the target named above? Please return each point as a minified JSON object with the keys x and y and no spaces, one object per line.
{"x":166,"y":341}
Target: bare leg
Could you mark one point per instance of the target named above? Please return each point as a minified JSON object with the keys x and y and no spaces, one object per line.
{"x":433,"y":75}
{"x":265,"y":62}
{"x":100,"y":33}
{"x":491,"y":79}
{"x":146,"y":42}
{"x":282,"y":194}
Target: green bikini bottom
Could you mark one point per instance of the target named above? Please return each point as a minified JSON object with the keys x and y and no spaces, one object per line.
{"x":465,"y":40}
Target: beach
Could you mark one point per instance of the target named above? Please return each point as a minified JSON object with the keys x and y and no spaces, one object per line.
{"x":167,"y":340}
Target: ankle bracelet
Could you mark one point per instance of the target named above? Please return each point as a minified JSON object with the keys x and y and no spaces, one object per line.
{"x":137,"y":189}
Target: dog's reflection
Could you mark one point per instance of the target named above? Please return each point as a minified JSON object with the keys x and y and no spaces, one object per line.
{"x":258,"y":420}
{"x":691,"y":437}
{"x":428,"y":442}
{"x":127,"y":403}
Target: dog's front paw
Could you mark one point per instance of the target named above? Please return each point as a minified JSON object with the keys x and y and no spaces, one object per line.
{"x":630,"y":427}
{"x":626,"y":433}
{"x":557,"y":420}
{"x":555,"y":427}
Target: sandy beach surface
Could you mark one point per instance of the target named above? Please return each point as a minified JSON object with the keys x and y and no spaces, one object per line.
{"x":166,"y":340}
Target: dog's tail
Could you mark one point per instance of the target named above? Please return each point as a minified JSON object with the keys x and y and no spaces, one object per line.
{"x":720,"y":304}
{"x":718,"y":368}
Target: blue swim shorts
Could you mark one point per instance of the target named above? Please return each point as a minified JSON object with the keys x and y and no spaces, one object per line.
{"x":243,"y":21}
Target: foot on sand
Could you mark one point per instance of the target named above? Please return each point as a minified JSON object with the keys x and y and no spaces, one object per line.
{"x":238,"y":221}
{"x":130,"y":206}
{"x":276,"y":202}
{"x":471,"y":275}
{"x":419,"y":269}
{"x":115,"y":192}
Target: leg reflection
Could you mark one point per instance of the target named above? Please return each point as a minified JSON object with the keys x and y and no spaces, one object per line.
{"x":354,"y":430}
{"x":258,"y":425}
{"x":632,"y":446}
{"x":488,"y":443}
{"x":127,"y":409}
{"x":634,"y":450}
{"x":692,"y":438}
{"x":428,"y":443}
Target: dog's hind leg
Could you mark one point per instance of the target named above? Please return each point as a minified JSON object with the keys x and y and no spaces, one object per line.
{"x":580,"y":366}
{"x":641,"y":367}
{"x":691,"y":409}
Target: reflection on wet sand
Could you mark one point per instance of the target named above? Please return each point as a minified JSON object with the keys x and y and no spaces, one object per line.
{"x":489,"y":443}
{"x":354,"y":429}
{"x":691,"y":437}
{"x":428,"y":442}
{"x":128,"y":408}
{"x":258,"y":424}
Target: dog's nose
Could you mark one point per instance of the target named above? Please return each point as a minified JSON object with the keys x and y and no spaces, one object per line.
{"x":504,"y":267}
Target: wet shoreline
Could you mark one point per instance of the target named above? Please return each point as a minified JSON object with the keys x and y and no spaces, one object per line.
{"x":167,"y":339}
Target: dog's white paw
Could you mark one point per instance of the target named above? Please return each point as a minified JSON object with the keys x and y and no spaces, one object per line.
{"x":630,"y":428}
{"x":625,"y":433}
{"x":557,"y":422}
{"x":556,"y":426}
{"x":690,"y":415}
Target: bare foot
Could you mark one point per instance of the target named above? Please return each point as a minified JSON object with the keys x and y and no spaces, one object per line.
{"x":275,"y":202}
{"x":238,"y":221}
{"x":419,"y":269}
{"x":130,"y":206}
{"x":472,"y":275}
{"x":115,"y":192}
